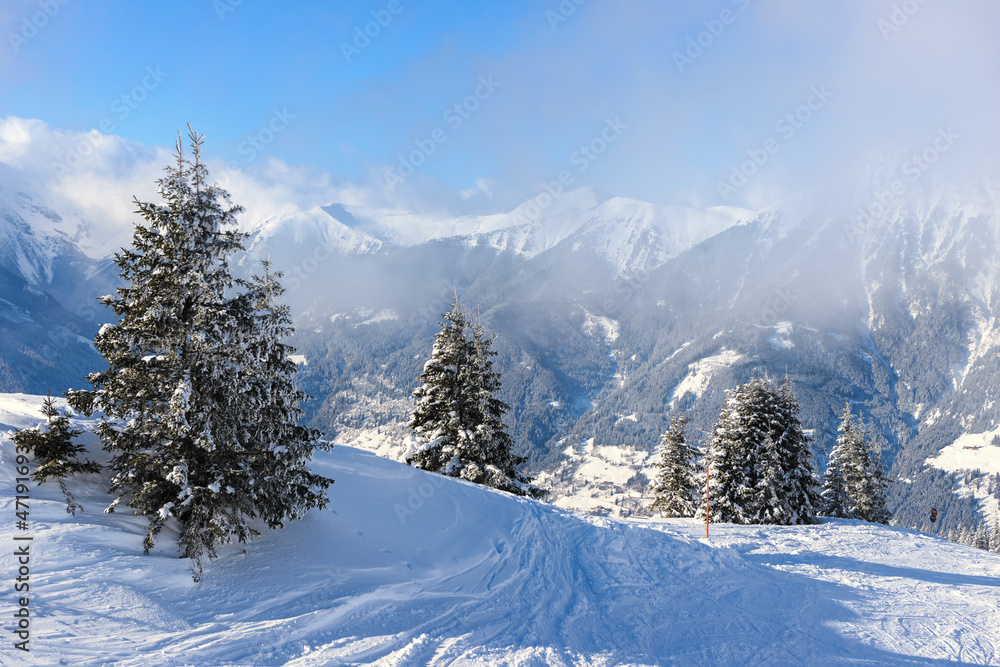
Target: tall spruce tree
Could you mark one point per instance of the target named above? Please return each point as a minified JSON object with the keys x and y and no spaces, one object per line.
{"x":759,"y":460}
{"x":855,"y":469}
{"x":734,"y":455}
{"x":51,"y":444}
{"x":800,"y":488}
{"x":278,"y":450}
{"x":676,"y":489}
{"x":458,"y":419}
{"x":772,"y":505}
{"x":198,"y":410}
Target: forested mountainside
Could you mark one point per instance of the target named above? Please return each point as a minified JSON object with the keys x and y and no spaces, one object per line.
{"x":610,"y":314}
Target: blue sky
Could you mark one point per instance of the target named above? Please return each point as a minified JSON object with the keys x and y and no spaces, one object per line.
{"x":694,"y":90}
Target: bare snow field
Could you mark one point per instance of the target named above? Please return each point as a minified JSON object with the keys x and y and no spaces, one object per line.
{"x":410,"y":568}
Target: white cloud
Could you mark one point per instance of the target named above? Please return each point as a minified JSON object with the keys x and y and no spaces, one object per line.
{"x":97,"y":175}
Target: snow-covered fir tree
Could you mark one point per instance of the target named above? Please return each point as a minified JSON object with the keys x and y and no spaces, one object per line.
{"x":51,"y":444}
{"x":772,"y":506}
{"x":834,"y":501}
{"x":981,"y":537}
{"x":458,"y":419}
{"x":759,"y":460}
{"x":734,"y":452}
{"x":278,"y":449}
{"x":855,"y":483}
{"x":198,"y":412}
{"x":676,"y":489}
{"x":799,"y":487}
{"x":995,"y":534}
{"x":870,"y":499}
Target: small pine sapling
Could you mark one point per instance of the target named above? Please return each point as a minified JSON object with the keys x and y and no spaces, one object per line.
{"x":54,"y":451}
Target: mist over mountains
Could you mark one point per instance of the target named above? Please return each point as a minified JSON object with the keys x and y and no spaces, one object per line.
{"x":610,"y":313}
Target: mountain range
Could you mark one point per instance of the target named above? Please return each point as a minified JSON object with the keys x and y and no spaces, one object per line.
{"x":610,"y":314}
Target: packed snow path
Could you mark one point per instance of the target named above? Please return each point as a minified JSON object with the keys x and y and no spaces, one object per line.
{"x":408,"y":568}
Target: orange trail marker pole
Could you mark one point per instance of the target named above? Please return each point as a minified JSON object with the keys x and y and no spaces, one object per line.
{"x":707,"y":475}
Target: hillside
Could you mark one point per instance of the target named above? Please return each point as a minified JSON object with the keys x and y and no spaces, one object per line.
{"x":610,"y":313}
{"x":405,"y":568}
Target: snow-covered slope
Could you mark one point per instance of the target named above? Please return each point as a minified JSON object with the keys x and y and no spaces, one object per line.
{"x":409,"y":568}
{"x":327,"y":228}
{"x":33,"y":235}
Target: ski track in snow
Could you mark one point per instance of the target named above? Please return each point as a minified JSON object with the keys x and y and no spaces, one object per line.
{"x":408,"y":568}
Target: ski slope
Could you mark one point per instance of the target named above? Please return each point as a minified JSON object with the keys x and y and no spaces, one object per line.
{"x":409,"y":568}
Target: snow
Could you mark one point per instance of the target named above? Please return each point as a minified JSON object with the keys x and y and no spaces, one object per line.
{"x":977,"y":455}
{"x":604,"y":327}
{"x":677,"y":351}
{"x":408,"y":568}
{"x":971,"y":451}
{"x":381,"y":316}
{"x":318,"y":229}
{"x":298,"y":359}
{"x":12,"y":312}
{"x":19,"y":411}
{"x":33,"y":235}
{"x":366,"y":316}
{"x":593,"y":478}
{"x":700,"y":374}
{"x":629,"y":234}
{"x":780,"y":341}
{"x":983,"y":338}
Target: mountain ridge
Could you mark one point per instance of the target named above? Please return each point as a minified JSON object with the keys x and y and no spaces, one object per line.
{"x":895,"y":313}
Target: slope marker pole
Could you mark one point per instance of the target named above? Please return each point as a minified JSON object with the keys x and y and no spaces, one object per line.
{"x":708,"y":474}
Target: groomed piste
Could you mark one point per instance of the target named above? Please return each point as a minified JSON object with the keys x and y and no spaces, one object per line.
{"x":408,"y":568}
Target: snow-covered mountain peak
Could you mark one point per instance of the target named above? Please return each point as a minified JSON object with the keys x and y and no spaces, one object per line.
{"x":635,"y":235}
{"x":316,"y":227}
{"x":33,"y":234}
{"x":629,"y":234}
